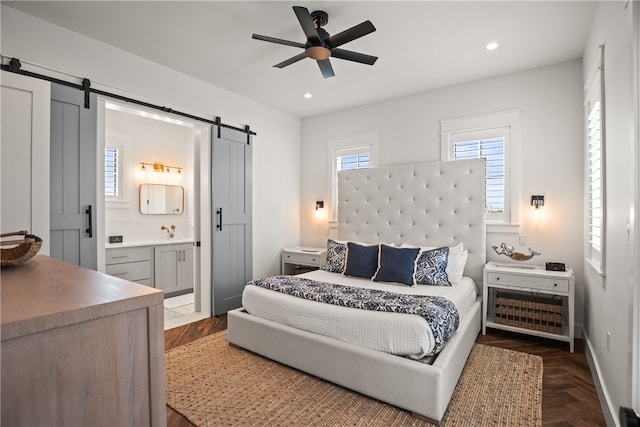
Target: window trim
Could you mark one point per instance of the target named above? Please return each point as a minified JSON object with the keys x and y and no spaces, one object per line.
{"x":353,"y":144}
{"x":594,"y":91}
{"x":509,"y":124}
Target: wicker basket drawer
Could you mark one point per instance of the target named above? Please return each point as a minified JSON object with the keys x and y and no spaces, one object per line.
{"x":531,"y":282}
{"x":529,"y":312}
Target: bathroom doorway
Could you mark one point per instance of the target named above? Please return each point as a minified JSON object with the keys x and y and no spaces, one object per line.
{"x":156,"y":186}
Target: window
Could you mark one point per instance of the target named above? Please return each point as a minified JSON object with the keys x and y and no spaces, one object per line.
{"x":112,"y":172}
{"x":595,"y":166}
{"x":353,"y":161}
{"x":493,"y":150}
{"x":350,"y":153}
{"x":496,"y":138}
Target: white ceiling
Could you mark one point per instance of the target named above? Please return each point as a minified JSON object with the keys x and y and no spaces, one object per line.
{"x":421,"y":45}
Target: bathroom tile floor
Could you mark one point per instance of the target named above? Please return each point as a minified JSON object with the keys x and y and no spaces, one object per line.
{"x":180,"y":311}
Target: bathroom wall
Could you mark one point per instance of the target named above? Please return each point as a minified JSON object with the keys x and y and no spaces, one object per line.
{"x":149,"y":140}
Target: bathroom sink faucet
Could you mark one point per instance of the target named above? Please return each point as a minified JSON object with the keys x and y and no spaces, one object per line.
{"x":171,"y":231}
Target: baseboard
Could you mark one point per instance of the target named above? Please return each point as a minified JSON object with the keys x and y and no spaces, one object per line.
{"x":608,"y":410}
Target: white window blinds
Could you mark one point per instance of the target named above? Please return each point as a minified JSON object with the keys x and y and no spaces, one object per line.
{"x":595,"y":178}
{"x":493,"y":150}
{"x":594,"y":169}
{"x":353,"y":161}
{"x":112,"y":172}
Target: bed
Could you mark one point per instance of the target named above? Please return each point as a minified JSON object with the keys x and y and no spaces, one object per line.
{"x":439,"y":204}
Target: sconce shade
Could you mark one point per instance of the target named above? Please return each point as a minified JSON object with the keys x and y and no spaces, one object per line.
{"x":319,"y":204}
{"x":537,"y":201}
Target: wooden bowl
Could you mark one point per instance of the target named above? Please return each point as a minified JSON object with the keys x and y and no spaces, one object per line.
{"x":21,"y":253}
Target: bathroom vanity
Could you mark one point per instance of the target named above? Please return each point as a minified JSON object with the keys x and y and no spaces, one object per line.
{"x":168,"y":266}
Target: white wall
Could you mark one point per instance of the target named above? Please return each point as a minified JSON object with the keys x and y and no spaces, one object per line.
{"x":550,"y":99}
{"x":608,"y":301}
{"x":276,"y":149}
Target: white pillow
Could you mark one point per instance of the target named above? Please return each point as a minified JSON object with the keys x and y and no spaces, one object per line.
{"x":455,"y":264}
{"x":456,"y":260}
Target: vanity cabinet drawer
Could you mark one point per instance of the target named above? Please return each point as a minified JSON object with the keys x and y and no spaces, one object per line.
{"x":529,"y":282}
{"x":120,"y":255}
{"x":132,"y":263}
{"x":132,"y":271}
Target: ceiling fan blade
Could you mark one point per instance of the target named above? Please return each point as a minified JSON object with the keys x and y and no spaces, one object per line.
{"x":353,"y":56}
{"x":291,"y":60}
{"x":351,"y":34}
{"x":326,"y":68}
{"x":304,"y":17}
{"x":278,"y":41}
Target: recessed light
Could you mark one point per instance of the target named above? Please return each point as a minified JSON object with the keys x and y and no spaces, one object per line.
{"x":492,"y":46}
{"x":308,"y":95}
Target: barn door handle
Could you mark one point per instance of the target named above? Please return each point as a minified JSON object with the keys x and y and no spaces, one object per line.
{"x":219,"y":224}
{"x":89,"y":213}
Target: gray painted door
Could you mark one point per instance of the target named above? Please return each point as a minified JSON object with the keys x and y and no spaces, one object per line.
{"x":232,"y":256}
{"x":73,"y":177}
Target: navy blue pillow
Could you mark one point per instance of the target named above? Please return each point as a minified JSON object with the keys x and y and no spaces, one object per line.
{"x":396,"y":264}
{"x":362,"y":261}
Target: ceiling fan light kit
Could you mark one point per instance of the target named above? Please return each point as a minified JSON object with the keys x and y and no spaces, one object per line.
{"x":320,"y":46}
{"x":318,"y":52}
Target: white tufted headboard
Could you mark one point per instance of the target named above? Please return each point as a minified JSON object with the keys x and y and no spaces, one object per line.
{"x":425,"y":204}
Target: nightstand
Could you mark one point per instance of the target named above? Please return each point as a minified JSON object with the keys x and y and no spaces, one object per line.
{"x":293,"y":258}
{"x":529,"y":300}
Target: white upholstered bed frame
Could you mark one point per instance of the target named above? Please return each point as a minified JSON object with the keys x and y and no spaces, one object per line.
{"x":428,"y":204}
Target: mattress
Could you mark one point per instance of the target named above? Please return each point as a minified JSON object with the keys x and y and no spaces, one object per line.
{"x":395,"y":333}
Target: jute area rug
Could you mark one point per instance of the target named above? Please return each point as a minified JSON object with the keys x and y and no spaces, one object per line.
{"x":214,"y":384}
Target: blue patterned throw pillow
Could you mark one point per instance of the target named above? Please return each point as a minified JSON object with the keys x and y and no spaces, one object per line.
{"x":431,"y":267}
{"x":396,"y":264}
{"x":362,"y":260}
{"x":336,"y":256}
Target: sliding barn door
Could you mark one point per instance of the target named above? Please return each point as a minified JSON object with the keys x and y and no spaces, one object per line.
{"x":24,"y":159}
{"x":231,"y":212}
{"x":73,"y":177}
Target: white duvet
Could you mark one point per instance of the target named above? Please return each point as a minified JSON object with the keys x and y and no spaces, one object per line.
{"x":396,"y":333}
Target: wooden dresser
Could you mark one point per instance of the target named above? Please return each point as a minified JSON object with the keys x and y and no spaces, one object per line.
{"x":79,"y":347}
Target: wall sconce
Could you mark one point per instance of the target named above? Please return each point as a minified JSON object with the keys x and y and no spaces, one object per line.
{"x":319,"y":208}
{"x":159,"y":167}
{"x":537,"y":201}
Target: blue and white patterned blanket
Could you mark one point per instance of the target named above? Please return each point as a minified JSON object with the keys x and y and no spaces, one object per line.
{"x":440,"y":313}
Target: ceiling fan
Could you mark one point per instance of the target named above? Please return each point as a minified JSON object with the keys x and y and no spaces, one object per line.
{"x":320,"y":46}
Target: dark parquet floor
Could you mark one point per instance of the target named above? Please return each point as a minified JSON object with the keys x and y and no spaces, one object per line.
{"x":569,"y":395}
